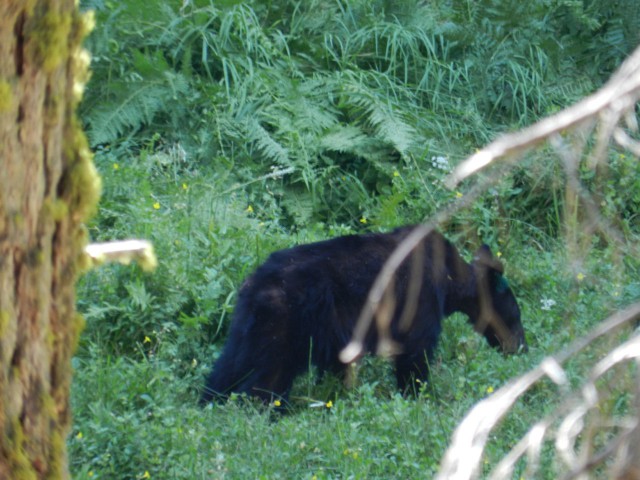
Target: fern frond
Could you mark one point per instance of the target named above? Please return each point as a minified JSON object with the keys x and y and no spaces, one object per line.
{"x":264,"y":142}
{"x":391,"y":127}
{"x":388,"y":124}
{"x":135,"y":107}
{"x":299,"y":205}
{"x":344,"y":139}
{"x":136,"y":104}
{"x":299,"y":107}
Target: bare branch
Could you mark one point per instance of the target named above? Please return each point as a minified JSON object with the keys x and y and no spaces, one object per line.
{"x":355,"y":347}
{"x":124,"y":252}
{"x":625,"y":141}
{"x":462,"y":460}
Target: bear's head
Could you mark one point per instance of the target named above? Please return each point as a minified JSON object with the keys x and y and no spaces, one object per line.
{"x":498,"y":317}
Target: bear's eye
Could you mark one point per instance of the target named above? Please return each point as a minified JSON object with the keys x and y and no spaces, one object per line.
{"x":502,"y":285}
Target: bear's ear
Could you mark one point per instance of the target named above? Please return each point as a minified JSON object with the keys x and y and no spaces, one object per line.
{"x":485,"y":258}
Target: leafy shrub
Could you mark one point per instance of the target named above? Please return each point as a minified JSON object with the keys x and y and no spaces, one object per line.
{"x":329,"y":90}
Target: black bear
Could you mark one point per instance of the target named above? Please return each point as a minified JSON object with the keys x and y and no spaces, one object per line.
{"x":301,"y":306}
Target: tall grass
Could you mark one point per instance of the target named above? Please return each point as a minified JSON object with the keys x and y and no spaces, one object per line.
{"x":253,"y":86}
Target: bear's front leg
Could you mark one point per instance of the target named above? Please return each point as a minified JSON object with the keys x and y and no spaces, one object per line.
{"x":411,"y":371}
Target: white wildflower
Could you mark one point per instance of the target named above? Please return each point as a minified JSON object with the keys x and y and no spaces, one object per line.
{"x":441,"y":163}
{"x":547,"y":303}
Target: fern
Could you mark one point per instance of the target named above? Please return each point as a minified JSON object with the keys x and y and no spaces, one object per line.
{"x":345,"y":139}
{"x":340,"y":89}
{"x":380,"y":114}
{"x":122,"y":106}
{"x":134,"y":107}
{"x":268,"y":146}
{"x":391,"y":127}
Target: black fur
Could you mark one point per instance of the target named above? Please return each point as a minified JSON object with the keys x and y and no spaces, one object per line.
{"x":302,"y":304}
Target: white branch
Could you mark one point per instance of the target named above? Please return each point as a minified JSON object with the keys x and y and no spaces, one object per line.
{"x":124,"y":252}
{"x":462,"y":459}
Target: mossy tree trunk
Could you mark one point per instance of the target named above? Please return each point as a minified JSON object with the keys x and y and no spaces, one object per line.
{"x":48,"y":187}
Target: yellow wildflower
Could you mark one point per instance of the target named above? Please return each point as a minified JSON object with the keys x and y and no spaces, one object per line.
{"x":249,"y":209}
{"x":156,"y":206}
{"x":350,"y":453}
{"x":329,"y":404}
{"x":490,"y":390}
{"x":277,"y":403}
{"x":116,"y":166}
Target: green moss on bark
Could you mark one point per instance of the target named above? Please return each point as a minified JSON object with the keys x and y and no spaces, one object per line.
{"x":6,"y":96}
{"x":49,"y":39}
{"x":53,"y":72}
{"x":84,"y":181}
{"x":5,"y":318}
{"x":18,"y":458}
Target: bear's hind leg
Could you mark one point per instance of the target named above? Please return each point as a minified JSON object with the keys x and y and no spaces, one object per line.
{"x":270,"y":381}
{"x":222,"y":380}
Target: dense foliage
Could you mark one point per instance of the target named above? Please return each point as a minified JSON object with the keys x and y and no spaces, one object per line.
{"x":225,"y":130}
{"x":325,"y":91}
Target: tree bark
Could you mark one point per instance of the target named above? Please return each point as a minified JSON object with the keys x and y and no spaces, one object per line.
{"x":48,"y":188}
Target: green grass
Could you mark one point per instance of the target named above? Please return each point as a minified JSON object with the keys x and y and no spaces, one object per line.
{"x":227,"y":130}
{"x":151,"y":339}
{"x":137,"y":415}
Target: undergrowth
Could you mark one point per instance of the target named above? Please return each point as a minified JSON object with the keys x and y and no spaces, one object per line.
{"x":151,"y":339}
{"x":227,"y":130}
{"x":327,"y":90}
